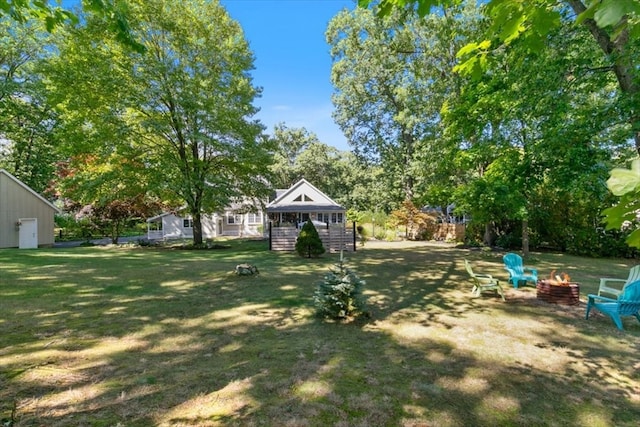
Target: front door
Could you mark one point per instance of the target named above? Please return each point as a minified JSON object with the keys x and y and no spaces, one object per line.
{"x":28,"y":234}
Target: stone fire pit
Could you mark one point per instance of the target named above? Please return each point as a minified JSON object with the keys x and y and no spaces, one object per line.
{"x":555,"y":292}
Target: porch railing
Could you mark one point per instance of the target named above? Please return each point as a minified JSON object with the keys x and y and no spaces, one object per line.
{"x":335,"y":237}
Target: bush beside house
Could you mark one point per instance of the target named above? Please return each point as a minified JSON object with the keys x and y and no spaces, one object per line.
{"x":308,"y":243}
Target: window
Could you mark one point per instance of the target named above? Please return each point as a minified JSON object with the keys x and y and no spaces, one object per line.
{"x":233,"y":219}
{"x":254,"y":218}
{"x":323,"y":217}
{"x":336,"y":217}
{"x":187,"y":223}
{"x":303,"y":198}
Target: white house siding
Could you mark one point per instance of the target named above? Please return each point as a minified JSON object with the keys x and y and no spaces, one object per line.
{"x":209,"y":226}
{"x":19,"y":201}
{"x":212,"y":226}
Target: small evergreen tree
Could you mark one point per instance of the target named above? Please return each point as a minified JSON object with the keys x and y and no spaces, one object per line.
{"x":339,"y":295}
{"x":308,"y":242}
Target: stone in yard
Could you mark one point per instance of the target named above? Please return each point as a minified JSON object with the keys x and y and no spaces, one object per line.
{"x":246,"y":270}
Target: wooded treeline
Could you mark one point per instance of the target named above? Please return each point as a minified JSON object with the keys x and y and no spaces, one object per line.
{"x":523,"y":144}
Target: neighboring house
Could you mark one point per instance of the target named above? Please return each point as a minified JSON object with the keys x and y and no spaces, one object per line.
{"x":26,"y":218}
{"x":234,"y":221}
{"x":281,"y":222}
{"x":450,"y":226}
{"x":303,"y":201}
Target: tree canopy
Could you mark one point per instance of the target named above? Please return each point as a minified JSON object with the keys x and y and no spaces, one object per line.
{"x":180,"y":113}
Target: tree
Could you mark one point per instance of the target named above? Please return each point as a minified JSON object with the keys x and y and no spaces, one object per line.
{"x":289,"y":143}
{"x":300,"y":154}
{"x":28,"y":122}
{"x":21,"y":11}
{"x":392,"y":76}
{"x":112,"y":12}
{"x":308,"y":242}
{"x":418,"y":224}
{"x":340,"y":294}
{"x":519,"y":150}
{"x":614,"y":26}
{"x":108,"y":192}
{"x":183,"y":109}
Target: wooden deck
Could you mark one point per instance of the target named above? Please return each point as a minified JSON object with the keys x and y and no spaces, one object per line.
{"x":335,"y":238}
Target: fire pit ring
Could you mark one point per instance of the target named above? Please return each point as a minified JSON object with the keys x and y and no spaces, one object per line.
{"x":558,"y":293}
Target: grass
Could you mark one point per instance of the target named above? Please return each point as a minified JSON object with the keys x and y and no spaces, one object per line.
{"x":107,"y":336}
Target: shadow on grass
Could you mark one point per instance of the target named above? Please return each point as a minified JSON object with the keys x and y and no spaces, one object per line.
{"x":144,"y":337}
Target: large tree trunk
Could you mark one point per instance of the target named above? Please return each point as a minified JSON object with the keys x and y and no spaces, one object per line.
{"x":489,"y":234}
{"x":197,"y":228}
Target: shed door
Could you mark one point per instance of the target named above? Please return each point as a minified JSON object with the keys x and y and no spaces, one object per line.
{"x":28,"y":235}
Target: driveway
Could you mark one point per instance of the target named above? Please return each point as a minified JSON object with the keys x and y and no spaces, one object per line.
{"x":98,"y":242}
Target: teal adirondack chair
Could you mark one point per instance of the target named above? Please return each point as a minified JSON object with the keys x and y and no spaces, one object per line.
{"x":517,"y":272}
{"x":634,"y":274}
{"x":627,"y":304}
{"x":483,"y":282}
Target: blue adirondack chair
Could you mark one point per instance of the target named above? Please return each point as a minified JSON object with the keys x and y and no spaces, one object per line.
{"x":517,"y":272}
{"x":627,"y":304}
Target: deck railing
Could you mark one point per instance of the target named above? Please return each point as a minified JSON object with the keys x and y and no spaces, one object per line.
{"x":335,"y":238}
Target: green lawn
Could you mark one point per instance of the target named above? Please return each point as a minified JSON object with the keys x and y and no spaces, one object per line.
{"x":106,"y":336}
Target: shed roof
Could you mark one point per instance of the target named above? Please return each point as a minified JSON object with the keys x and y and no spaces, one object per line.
{"x":30,"y":190}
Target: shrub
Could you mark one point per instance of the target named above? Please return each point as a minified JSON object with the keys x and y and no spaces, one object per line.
{"x":391,"y":235}
{"x":339,"y":295}
{"x":308,"y":242}
{"x":362,"y":234}
{"x":380,"y":234}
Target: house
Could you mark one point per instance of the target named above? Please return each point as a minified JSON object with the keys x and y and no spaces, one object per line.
{"x":292,"y":207}
{"x":26,"y":218}
{"x":303,"y":201}
{"x":236,"y":220}
{"x":449,"y":226}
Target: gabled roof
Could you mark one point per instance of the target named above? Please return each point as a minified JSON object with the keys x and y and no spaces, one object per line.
{"x":30,"y":190}
{"x":302,"y":196}
{"x":163,"y":214}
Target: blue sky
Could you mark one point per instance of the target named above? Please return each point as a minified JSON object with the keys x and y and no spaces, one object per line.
{"x":293,"y":65}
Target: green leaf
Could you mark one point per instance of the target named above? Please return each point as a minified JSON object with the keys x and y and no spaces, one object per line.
{"x":633,"y":239}
{"x":623,"y":181}
{"x":611,"y":12}
{"x":424,"y":8}
{"x":616,"y":216}
{"x":484,"y":45}
{"x":384,"y":8}
{"x":588,"y":13}
{"x":512,"y":28}
{"x":50,"y":23}
{"x":466,"y":49}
